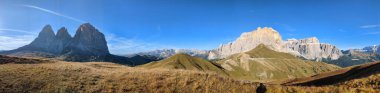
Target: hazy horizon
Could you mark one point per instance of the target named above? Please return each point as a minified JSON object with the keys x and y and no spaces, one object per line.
{"x":132,"y":26}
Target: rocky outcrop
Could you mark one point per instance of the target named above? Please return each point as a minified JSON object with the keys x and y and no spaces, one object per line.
{"x":248,"y":41}
{"x":309,"y":48}
{"x":88,"y":44}
{"x":88,"y":41}
{"x":46,"y":44}
{"x":42,"y":42}
{"x":60,"y":41}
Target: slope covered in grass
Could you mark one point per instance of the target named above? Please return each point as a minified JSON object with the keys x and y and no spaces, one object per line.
{"x":340,"y":76}
{"x":103,"y":77}
{"x":264,"y":65}
{"x":186,"y":62}
{"x":18,"y":60}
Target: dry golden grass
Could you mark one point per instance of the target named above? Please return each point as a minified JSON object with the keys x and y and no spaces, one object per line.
{"x":109,"y":77}
{"x":90,"y":77}
{"x":322,"y":89}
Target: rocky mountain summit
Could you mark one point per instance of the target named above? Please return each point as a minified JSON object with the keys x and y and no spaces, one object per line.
{"x":60,"y":41}
{"x":88,"y":44}
{"x":42,"y":42}
{"x":309,"y":48}
{"x":88,"y":41}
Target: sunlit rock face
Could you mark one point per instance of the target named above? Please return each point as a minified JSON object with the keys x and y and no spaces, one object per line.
{"x":309,"y":48}
{"x":248,"y":41}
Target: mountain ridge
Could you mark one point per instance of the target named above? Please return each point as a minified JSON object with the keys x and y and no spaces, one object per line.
{"x":264,"y":64}
{"x":88,"y":44}
{"x":309,"y":48}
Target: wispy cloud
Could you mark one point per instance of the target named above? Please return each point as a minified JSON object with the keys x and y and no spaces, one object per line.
{"x":53,"y":12}
{"x":370,"y":26}
{"x":8,"y":42}
{"x":372,"y":33}
{"x":15,"y":30}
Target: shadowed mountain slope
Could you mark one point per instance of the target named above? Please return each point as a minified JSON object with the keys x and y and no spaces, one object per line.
{"x":343,"y":75}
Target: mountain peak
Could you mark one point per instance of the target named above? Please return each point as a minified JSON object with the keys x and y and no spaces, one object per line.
{"x":312,"y":40}
{"x":185,"y":62}
{"x":88,"y":41}
{"x":262,"y":51}
{"x":267,"y":29}
{"x":248,"y":41}
{"x":181,"y":55}
{"x":47,"y":32}
{"x":62,"y":33}
{"x":310,"y":48}
{"x":86,"y":27}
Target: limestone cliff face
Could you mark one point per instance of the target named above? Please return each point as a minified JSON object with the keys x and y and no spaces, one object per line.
{"x":309,"y":48}
{"x":248,"y":41}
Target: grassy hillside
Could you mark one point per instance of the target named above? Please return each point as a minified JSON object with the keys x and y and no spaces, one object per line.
{"x":90,"y":77}
{"x":186,"y":62}
{"x":358,"y":79}
{"x":48,"y":76}
{"x":16,"y":60}
{"x":264,"y":65}
{"x":339,"y":76}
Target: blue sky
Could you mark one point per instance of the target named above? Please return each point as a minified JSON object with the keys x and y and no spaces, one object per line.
{"x":133,"y":26}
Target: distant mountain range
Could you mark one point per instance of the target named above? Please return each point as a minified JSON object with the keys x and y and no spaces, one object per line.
{"x":357,"y":56}
{"x":88,"y":44}
{"x":309,"y":48}
{"x":165,"y":53}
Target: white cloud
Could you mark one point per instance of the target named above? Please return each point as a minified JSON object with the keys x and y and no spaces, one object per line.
{"x":2,"y":30}
{"x":53,"y":12}
{"x":9,"y":43}
{"x":121,"y":45}
{"x":370,"y":26}
{"x":372,"y":33}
